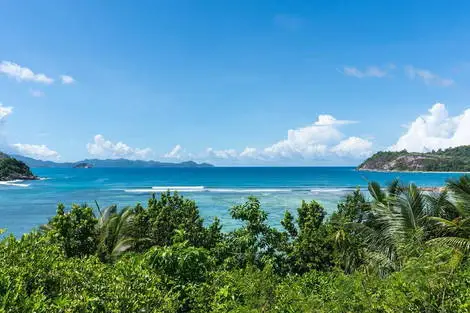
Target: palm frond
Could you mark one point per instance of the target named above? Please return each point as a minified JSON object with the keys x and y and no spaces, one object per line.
{"x":462,"y":244}
{"x":460,"y":189}
{"x":376,"y":192}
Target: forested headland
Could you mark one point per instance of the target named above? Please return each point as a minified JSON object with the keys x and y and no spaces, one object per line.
{"x":455,"y":159}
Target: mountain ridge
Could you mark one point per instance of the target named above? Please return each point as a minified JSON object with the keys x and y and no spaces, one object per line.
{"x":34,"y":163}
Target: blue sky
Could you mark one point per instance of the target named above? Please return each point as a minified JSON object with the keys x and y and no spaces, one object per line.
{"x":225,"y":81}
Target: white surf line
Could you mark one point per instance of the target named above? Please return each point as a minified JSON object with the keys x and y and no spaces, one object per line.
{"x":15,"y":183}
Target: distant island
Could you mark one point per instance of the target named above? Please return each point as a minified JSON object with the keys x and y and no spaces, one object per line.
{"x":87,"y":163}
{"x":13,"y":169}
{"x":83,"y":165}
{"x":449,"y":160}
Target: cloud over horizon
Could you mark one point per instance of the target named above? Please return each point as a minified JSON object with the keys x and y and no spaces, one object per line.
{"x":323,"y":138}
{"x":435,"y":130}
{"x":41,"y":152}
{"x":176,"y":153}
{"x":102,"y":148}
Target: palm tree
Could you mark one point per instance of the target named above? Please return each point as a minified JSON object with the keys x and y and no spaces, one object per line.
{"x":454,"y":224}
{"x":395,"y":226}
{"x":114,"y":229}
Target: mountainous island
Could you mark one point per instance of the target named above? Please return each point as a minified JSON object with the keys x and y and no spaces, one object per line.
{"x":12,"y":169}
{"x":449,"y":160}
{"x":88,"y":163}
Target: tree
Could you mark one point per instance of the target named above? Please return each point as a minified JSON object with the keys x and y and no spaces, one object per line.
{"x":114,"y":233}
{"x":453,"y":225}
{"x":75,"y":230}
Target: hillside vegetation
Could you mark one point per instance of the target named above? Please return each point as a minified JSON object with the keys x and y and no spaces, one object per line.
{"x":449,"y":160}
{"x":12,"y":169}
{"x":400,"y":250}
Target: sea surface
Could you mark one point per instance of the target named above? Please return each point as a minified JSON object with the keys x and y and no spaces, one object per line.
{"x":25,"y":205}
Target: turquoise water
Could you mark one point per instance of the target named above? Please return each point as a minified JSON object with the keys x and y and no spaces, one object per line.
{"x":25,"y":205}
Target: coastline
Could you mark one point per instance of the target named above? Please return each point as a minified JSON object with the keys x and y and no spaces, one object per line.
{"x":419,"y":172}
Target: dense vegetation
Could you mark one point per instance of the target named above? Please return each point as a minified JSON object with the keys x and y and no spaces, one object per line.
{"x":11,"y":169}
{"x":452,"y":159}
{"x":399,"y":251}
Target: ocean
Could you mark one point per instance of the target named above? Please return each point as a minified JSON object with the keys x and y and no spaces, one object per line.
{"x":28,"y":204}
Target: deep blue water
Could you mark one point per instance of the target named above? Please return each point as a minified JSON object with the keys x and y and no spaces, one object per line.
{"x":29,"y":204}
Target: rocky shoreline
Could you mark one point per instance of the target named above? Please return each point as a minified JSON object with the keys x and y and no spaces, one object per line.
{"x":11,"y":169}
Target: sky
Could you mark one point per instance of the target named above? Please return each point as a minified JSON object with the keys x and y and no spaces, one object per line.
{"x":233,"y":82}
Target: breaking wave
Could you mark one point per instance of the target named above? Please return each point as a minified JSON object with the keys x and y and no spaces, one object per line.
{"x":15,"y":183}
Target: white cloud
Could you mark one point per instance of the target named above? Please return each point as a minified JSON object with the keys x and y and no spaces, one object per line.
{"x":5,"y":111}
{"x":436,"y":130}
{"x":36,"y":151}
{"x":102,"y":148}
{"x":309,"y":141}
{"x":175,"y":153}
{"x":36,"y":93}
{"x":353,"y":147}
{"x":222,"y":154}
{"x":427,"y":76}
{"x":249,"y":153}
{"x":66,"y":79}
{"x":371,"y":71}
{"x":322,"y":139}
{"x":23,"y":73}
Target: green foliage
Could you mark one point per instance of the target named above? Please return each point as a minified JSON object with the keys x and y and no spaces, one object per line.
{"x":181,"y":262}
{"x":114,"y":233}
{"x":75,"y":231}
{"x":400,"y":251}
{"x":159,"y":221}
{"x":255,"y":243}
{"x":11,"y":169}
{"x":452,"y":159}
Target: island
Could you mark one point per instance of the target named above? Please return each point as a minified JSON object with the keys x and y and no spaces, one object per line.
{"x":449,"y":160}
{"x":12,"y":169}
{"x":34,"y":163}
{"x":82,"y":165}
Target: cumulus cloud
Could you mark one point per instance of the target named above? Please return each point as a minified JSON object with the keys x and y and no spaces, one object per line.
{"x":371,"y":71}
{"x":41,"y":152}
{"x":67,"y":80}
{"x":175,"y":153}
{"x":428,"y":77}
{"x":20,"y":73}
{"x":249,"y":153}
{"x":36,"y":93}
{"x":320,"y":140}
{"x":309,"y":141}
{"x":5,"y":111}
{"x":222,"y":154}
{"x":102,"y":148}
{"x":353,"y":147}
{"x":435,"y":130}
